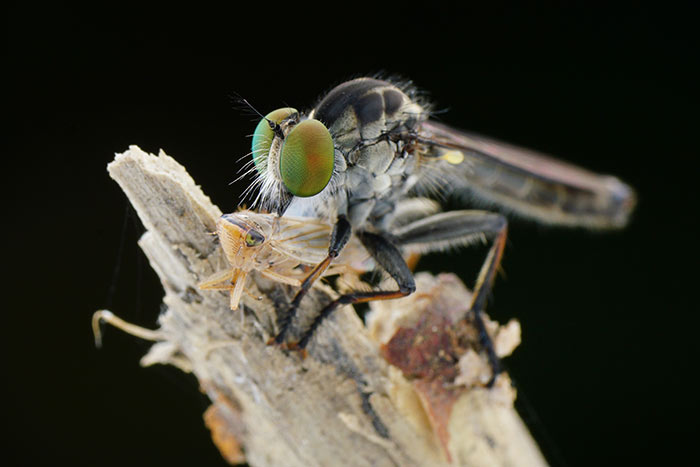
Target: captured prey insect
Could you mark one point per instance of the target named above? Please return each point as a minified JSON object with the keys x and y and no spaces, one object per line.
{"x":368,"y":145}
{"x":282,"y":249}
{"x":285,"y":248}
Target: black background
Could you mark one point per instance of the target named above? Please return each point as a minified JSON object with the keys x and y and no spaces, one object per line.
{"x":607,"y":369}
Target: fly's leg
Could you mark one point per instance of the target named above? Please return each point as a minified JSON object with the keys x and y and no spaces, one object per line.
{"x":387,"y":256}
{"x":454,"y":228}
{"x":484,"y":283}
{"x":340,"y":236}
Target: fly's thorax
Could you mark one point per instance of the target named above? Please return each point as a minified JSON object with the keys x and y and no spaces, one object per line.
{"x":366,"y":105}
{"x":372,"y":192}
{"x":242,"y":239}
{"x":362,"y":112}
{"x":370,"y":121}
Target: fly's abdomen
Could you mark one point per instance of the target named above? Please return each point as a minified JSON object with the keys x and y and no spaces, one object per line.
{"x":527,"y":182}
{"x":606,"y":203}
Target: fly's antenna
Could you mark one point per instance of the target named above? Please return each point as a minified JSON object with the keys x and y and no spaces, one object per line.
{"x":238,"y":99}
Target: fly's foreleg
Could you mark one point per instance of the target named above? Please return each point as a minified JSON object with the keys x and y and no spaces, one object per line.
{"x":388,"y":257}
{"x":459,"y":228}
{"x":340,"y":236}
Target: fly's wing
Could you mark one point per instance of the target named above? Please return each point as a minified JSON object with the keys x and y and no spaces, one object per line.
{"x":526,"y":182}
{"x":305,"y":240}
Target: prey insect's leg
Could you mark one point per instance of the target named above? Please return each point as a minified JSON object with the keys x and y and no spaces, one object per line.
{"x":218,"y":281}
{"x":460,"y":228}
{"x":233,"y":280}
{"x":339,"y":237}
{"x":276,"y":276}
{"x":387,"y":256}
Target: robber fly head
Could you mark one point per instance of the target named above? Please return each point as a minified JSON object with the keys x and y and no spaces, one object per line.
{"x":293,"y":156}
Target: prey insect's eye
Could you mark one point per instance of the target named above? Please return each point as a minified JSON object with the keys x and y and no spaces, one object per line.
{"x":307,"y":159}
{"x":262,"y":138}
{"x":254,"y":238}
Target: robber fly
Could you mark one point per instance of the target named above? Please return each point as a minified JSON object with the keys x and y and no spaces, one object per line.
{"x":370,"y":144}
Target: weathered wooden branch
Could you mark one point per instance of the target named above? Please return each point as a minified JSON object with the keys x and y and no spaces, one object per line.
{"x":344,"y":404}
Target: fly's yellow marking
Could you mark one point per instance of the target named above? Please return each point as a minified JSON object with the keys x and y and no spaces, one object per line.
{"x":453,"y":157}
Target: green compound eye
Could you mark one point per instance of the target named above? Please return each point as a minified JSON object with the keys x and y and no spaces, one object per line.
{"x":307,"y":159}
{"x":262,"y":138}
